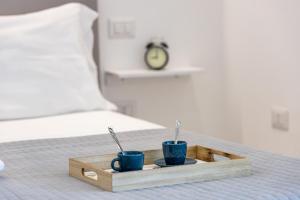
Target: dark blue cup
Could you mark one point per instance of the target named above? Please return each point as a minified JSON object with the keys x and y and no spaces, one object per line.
{"x":174,"y":154}
{"x":128,"y":161}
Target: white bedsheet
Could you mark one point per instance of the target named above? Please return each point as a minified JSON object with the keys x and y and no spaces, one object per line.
{"x":70,"y":125}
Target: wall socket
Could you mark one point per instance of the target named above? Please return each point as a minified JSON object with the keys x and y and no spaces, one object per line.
{"x":280,"y":118}
{"x":127,"y":107}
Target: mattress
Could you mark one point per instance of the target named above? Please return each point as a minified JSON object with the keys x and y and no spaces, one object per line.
{"x":71,"y":125}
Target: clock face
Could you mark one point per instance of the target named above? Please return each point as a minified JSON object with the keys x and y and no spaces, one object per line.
{"x":156,"y":57}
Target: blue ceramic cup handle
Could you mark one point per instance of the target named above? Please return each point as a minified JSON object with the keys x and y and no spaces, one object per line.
{"x":113,"y":164}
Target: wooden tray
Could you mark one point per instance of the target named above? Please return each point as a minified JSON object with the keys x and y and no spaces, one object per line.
{"x":213,"y":165}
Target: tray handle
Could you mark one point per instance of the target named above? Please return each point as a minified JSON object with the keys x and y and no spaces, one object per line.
{"x":89,"y":174}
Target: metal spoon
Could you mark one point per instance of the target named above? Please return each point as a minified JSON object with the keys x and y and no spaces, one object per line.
{"x":178,"y":125}
{"x":114,"y":136}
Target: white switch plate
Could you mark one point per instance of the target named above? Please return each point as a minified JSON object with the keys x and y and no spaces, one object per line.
{"x":121,"y":28}
{"x":280,"y":118}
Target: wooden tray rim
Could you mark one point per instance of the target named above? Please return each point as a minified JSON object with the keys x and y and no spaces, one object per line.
{"x":91,"y":166}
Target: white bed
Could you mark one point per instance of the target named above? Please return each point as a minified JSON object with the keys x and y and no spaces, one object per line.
{"x":70,"y":125}
{"x":48,"y":85}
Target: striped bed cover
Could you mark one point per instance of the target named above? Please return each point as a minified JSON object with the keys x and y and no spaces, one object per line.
{"x":38,"y":169}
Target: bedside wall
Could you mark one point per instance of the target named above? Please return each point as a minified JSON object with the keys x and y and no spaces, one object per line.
{"x":262,"y":63}
{"x":193,"y":31}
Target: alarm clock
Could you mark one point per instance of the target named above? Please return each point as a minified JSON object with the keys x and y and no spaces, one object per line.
{"x":156,"y":56}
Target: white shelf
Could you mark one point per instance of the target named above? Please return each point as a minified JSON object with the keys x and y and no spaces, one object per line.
{"x":148,"y":73}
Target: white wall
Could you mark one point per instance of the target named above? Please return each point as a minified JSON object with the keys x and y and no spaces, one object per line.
{"x":193,"y":29}
{"x":250,"y":50}
{"x":262,"y":51}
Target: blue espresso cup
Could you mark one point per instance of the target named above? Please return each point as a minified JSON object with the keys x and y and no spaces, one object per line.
{"x":128,"y":161}
{"x":174,"y":154}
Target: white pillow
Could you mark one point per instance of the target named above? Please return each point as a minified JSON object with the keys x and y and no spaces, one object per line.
{"x":46,"y":64}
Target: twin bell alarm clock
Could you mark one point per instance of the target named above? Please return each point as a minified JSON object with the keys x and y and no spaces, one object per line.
{"x":156,"y":55}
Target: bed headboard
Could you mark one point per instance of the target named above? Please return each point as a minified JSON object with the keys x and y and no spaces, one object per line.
{"x":13,"y":7}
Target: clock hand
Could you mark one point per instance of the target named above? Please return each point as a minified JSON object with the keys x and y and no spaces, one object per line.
{"x":153,"y":56}
{"x":156,"y":54}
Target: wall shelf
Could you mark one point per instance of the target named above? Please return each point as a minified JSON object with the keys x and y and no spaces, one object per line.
{"x":147,"y":73}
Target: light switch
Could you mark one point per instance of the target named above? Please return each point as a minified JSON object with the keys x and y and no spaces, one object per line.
{"x":118,"y":28}
{"x":280,"y":118}
{"x":121,"y":28}
{"x":130,"y":29}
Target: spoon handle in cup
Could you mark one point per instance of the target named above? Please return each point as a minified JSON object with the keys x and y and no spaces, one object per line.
{"x":178,"y":125}
{"x":115,"y":138}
